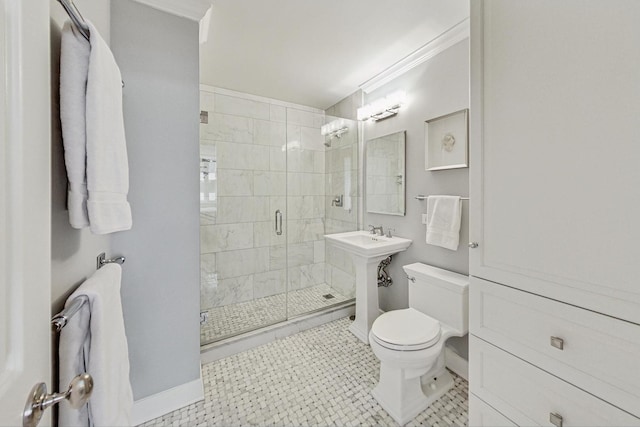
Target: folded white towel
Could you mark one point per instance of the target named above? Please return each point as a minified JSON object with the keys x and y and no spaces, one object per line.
{"x":74,"y":68}
{"x":107,"y":163}
{"x":444,"y":215}
{"x":94,"y":341}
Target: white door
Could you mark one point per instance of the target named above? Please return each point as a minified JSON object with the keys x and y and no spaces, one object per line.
{"x":24,"y":205}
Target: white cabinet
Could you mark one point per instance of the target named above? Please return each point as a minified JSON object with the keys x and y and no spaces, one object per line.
{"x":555,"y":145}
{"x":481,"y":414}
{"x":555,"y":209}
{"x":596,"y":353}
{"x":532,"y":397}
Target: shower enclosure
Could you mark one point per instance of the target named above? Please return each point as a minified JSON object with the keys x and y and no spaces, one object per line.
{"x":271,"y":186}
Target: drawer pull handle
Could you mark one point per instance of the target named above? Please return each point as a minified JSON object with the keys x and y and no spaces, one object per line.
{"x":557,"y":343}
{"x":555,"y":419}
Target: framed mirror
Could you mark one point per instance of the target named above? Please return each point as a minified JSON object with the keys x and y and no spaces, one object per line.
{"x":385,"y":174}
{"x":446,"y":141}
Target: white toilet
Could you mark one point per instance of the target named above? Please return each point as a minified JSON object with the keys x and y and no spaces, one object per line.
{"x":410,"y":342}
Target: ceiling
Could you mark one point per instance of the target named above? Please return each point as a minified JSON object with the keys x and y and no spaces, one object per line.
{"x":316,"y":52}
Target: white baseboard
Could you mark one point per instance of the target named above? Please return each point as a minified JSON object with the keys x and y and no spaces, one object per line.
{"x":456,"y":363}
{"x":157,"y":405}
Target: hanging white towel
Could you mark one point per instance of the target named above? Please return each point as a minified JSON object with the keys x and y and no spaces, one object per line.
{"x":74,"y":69}
{"x":107,"y":163}
{"x":94,"y":341}
{"x":444,"y":215}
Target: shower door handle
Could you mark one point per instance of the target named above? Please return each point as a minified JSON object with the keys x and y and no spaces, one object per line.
{"x":278,"y":223}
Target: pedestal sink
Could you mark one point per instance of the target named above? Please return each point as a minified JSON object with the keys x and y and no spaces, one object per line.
{"x":366,"y":250}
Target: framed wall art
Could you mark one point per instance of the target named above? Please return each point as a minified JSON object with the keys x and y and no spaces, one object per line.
{"x":447,"y":141}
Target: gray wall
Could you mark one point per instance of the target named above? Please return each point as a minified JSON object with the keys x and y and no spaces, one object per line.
{"x":158,"y":56}
{"x":73,"y":252}
{"x":437,"y":87}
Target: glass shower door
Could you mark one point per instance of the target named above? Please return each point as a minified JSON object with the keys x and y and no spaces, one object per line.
{"x":321,"y":199}
{"x":242,"y":212}
{"x":269,"y":181}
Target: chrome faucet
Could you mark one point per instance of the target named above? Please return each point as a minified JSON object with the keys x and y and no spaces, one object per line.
{"x":376,"y":230}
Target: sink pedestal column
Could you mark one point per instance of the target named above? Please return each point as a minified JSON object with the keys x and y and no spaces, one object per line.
{"x":367,"y":309}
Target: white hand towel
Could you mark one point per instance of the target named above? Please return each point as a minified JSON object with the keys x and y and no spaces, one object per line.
{"x":94,"y":341}
{"x":444,"y":215}
{"x":107,"y":163}
{"x":74,"y":68}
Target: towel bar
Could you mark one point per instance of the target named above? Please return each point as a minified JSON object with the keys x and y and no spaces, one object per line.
{"x":77,"y":19}
{"x":60,"y":320}
{"x":421,"y":197}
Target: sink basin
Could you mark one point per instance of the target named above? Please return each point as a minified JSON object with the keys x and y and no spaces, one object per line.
{"x":366,"y":251}
{"x":367,"y":245}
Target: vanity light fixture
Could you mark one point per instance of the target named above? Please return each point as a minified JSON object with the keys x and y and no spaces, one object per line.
{"x":383,"y":108}
{"x":334,"y":129}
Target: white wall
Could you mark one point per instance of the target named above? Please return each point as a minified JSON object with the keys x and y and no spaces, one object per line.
{"x":158,"y":56}
{"x":437,"y":87}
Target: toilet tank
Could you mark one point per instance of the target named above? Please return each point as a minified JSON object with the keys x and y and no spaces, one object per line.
{"x":441,"y":294}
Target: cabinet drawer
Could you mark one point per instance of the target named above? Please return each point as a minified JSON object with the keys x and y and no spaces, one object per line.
{"x":529,"y":396}
{"x":599,"y":353}
{"x":481,"y":414}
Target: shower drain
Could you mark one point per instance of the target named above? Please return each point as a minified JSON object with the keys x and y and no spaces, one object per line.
{"x":204,"y":317}
{"x":327,"y":296}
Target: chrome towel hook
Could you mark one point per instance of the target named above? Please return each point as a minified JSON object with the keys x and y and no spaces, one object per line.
{"x":102,"y":260}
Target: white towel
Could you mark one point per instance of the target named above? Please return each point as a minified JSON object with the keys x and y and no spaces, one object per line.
{"x":107,"y":164}
{"x":94,"y":341}
{"x":74,"y":69}
{"x":444,"y":215}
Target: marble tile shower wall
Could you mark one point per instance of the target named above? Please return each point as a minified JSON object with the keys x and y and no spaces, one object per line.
{"x":342,"y":179}
{"x":268,"y":156}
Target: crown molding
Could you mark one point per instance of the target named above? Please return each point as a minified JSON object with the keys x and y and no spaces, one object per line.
{"x":453,"y":35}
{"x":190,"y":9}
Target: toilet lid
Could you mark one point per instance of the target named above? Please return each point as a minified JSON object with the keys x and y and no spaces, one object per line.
{"x":406,"y":329}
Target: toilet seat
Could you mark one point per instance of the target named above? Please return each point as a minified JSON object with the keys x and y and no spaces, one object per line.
{"x":406,"y":330}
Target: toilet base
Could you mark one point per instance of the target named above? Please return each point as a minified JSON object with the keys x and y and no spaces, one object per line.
{"x":405,"y":399}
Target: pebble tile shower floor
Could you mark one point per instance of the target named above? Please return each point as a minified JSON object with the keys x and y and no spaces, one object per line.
{"x":234,"y":319}
{"x":318,"y":377}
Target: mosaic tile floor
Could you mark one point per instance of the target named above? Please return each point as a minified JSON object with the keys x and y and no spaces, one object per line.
{"x":233,"y":319}
{"x":321,"y":377}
